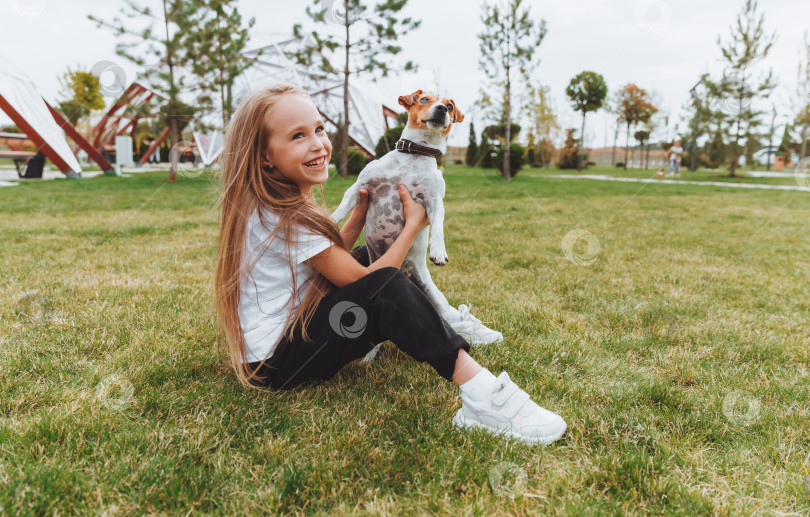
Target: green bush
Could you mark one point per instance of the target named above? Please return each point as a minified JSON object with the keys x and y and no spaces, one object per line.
{"x":357,"y":161}
{"x":569,"y":154}
{"x":387,"y":142}
{"x":516,"y":160}
{"x":486,"y":153}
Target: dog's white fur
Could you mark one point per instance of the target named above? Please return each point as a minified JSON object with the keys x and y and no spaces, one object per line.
{"x":384,"y":219}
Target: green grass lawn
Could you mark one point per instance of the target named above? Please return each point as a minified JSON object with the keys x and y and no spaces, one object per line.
{"x":673,"y":337}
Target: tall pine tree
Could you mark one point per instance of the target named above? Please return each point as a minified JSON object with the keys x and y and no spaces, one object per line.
{"x":508,"y":45}
{"x":215,"y":44}
{"x":747,"y":45}
{"x":161,"y":53}
{"x":369,"y":37}
{"x":472,"y":148}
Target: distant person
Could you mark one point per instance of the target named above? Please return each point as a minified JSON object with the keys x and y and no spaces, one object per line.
{"x":674,"y":154}
{"x":154,"y":157}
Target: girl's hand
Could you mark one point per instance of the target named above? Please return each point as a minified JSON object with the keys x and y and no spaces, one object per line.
{"x":415,"y":213}
{"x":362,"y":206}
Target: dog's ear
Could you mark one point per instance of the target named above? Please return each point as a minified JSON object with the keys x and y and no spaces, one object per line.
{"x":458,"y":116}
{"x":407,"y":101}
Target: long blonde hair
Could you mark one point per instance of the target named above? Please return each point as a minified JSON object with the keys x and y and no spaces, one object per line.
{"x":245,"y":187}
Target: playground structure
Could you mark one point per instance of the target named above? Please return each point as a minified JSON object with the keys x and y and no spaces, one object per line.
{"x":21,"y":101}
{"x":44,"y":129}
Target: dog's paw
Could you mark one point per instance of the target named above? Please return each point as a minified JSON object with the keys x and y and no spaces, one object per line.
{"x":438,"y":256}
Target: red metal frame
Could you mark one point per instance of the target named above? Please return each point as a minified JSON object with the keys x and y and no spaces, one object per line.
{"x":91,"y":151}
{"x":154,"y":145}
{"x":29,"y":131}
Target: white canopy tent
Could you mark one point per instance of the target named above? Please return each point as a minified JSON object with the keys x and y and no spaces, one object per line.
{"x":209,"y":145}
{"x":23,"y":103}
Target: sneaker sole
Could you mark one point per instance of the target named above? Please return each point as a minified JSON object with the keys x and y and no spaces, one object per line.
{"x":477,"y":342}
{"x":462,"y":422}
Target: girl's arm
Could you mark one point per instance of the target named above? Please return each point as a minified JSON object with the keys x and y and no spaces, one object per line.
{"x":340,"y":268}
{"x":354,"y":226}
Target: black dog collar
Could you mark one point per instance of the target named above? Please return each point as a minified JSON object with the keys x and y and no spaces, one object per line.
{"x":410,"y":147}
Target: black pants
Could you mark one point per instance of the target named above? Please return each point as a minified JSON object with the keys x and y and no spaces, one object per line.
{"x":350,"y":321}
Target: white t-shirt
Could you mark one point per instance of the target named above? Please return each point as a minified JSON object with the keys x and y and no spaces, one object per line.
{"x":675,"y":153}
{"x":266,"y":288}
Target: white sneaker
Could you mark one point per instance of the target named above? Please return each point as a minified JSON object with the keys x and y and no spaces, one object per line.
{"x":509,"y":411}
{"x":473,"y":331}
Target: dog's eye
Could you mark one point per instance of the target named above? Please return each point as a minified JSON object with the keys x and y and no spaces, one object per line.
{"x":449,"y":107}
{"x":424,"y":100}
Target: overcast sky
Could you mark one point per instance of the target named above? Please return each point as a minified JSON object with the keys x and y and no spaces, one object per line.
{"x":661,"y":45}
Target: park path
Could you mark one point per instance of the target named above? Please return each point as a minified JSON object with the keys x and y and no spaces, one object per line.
{"x":9,"y":177}
{"x":602,"y":177}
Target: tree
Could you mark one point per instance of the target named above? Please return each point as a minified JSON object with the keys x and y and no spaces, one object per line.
{"x":472,"y":148}
{"x":382,"y":29}
{"x":499,"y":132}
{"x":81,"y":92}
{"x":642,"y":137}
{"x":802,"y":97}
{"x":164,"y":57}
{"x":569,"y":153}
{"x":216,"y":47}
{"x":587,"y":92}
{"x":747,"y":45}
{"x":632,"y":105}
{"x":538,"y":110}
{"x":508,"y":42}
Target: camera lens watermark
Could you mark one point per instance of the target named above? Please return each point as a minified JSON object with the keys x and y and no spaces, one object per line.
{"x":28,"y":8}
{"x":35,"y":307}
{"x":653,"y":15}
{"x":507,"y":480}
{"x":337,"y":13}
{"x":115,"y":392}
{"x":736,"y":96}
{"x":573,"y":242}
{"x":741,"y":408}
{"x":410,"y":82}
{"x":802,"y":173}
{"x":112,"y":77}
{"x":188,"y":159}
{"x":354,"y":328}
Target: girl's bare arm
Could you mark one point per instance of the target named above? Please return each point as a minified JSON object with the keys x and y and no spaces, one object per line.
{"x":337,"y":265}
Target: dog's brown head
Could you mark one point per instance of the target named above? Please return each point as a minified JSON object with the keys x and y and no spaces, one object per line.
{"x":427,"y":110}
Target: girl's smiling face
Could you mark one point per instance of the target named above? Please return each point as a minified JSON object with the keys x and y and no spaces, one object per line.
{"x":298,"y":146}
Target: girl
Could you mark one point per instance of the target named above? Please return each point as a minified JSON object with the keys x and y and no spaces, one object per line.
{"x":296,"y":305}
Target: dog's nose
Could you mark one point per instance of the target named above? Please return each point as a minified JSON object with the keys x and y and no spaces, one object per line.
{"x":442,"y":108}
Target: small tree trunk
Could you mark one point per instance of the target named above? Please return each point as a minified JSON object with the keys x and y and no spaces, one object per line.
{"x":221,"y":78}
{"x":734,"y":154}
{"x":507,"y":172}
{"x":626,"y":145}
{"x":173,"y":116}
{"x":343,"y":168}
{"x":581,"y":143}
{"x":175,"y":156}
{"x":805,"y":133}
{"x":647,"y":159}
{"x":615,"y":141}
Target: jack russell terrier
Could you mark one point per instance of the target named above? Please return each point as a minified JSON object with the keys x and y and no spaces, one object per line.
{"x":413,"y":163}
